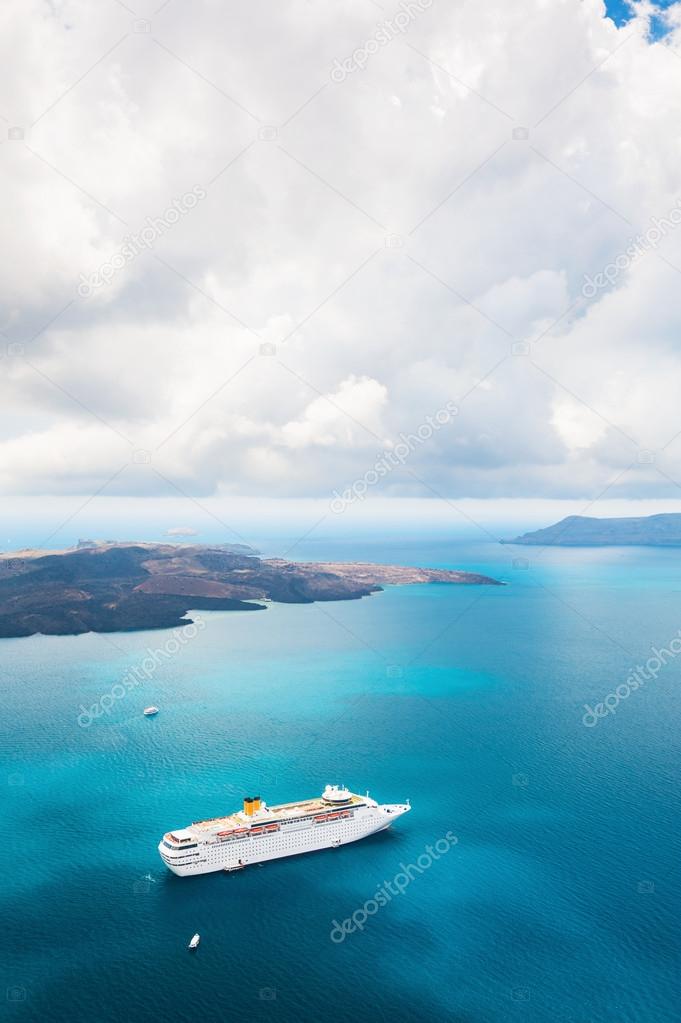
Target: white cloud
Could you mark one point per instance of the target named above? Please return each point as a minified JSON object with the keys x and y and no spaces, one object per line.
{"x":393,"y":236}
{"x":577,"y":425}
{"x":342,"y":418}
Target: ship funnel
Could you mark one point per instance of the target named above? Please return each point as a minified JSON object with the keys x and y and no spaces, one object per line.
{"x":256,"y":803}
{"x":248,"y":806}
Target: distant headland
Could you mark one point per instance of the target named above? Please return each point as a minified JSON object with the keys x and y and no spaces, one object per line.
{"x":108,"y":586}
{"x":581,"y":531}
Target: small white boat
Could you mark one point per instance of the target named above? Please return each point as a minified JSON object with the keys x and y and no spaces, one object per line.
{"x":194,"y":943}
{"x":150,"y":711}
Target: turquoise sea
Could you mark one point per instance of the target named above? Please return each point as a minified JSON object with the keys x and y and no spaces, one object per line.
{"x":560,"y":901}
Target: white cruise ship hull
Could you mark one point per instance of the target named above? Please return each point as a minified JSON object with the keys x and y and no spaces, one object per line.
{"x":200,"y":849}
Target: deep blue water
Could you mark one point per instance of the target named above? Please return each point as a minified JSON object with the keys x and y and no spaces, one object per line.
{"x":560,"y":901}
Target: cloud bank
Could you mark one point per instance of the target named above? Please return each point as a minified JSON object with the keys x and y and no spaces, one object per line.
{"x":364,"y":248}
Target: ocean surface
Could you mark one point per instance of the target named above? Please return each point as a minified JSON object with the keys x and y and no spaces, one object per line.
{"x":559,"y":901}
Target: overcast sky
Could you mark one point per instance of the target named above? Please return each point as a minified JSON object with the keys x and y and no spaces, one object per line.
{"x":318,"y":229}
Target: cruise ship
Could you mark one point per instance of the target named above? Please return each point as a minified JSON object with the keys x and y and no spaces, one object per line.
{"x":260,"y":832}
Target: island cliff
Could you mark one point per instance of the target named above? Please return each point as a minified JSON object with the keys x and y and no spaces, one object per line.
{"x":582,"y":531}
{"x":111,"y":587}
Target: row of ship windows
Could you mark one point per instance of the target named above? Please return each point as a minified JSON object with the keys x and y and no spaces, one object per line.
{"x":239,"y":838}
{"x":218,"y":854}
{"x":292,"y":820}
{"x":288,"y":839}
{"x":196,"y":863}
{"x":217,"y":851}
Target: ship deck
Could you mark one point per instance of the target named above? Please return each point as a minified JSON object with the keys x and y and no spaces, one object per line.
{"x":283,"y":811}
